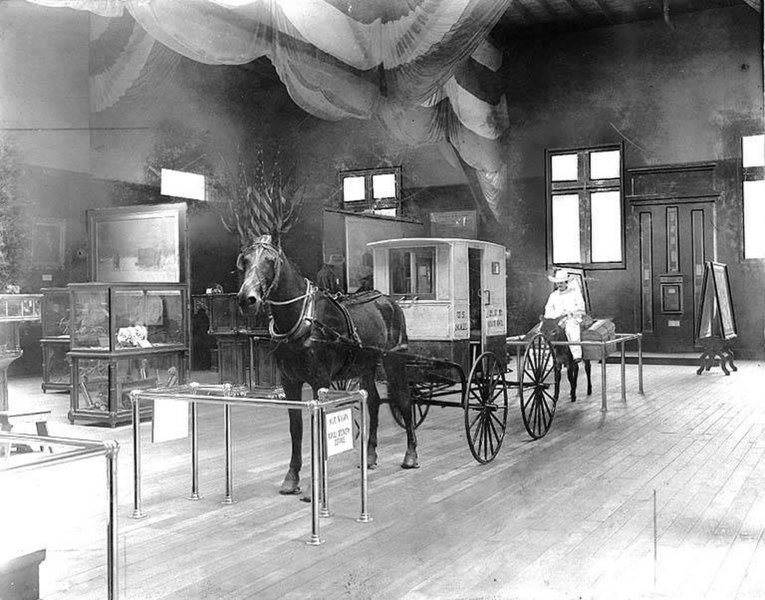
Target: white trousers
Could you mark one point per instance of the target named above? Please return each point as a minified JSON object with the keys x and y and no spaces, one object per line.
{"x":574,"y":334}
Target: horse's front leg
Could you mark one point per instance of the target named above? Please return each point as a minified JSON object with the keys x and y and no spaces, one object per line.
{"x":587,"y":370}
{"x":556,"y":370}
{"x":573,"y":377}
{"x":291,"y":483}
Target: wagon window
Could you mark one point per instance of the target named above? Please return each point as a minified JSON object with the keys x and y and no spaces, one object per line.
{"x":412,"y":273}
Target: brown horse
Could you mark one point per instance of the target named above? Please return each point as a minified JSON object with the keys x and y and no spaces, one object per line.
{"x":551,"y":329}
{"x":320,"y":340}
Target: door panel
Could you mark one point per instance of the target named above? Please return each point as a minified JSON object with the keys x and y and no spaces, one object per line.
{"x":675,"y":240}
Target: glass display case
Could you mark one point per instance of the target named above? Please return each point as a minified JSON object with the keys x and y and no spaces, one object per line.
{"x":124,"y":336}
{"x":55,"y":341}
{"x":14,"y":310}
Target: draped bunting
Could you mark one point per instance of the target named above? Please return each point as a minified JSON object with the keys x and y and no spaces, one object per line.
{"x":425,"y":68}
{"x":126,"y":64}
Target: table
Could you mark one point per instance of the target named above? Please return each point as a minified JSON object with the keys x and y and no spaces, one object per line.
{"x":229,"y":395}
{"x":519,"y":342}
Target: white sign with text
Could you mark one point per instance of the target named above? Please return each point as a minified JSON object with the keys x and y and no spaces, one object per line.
{"x":339,"y":431}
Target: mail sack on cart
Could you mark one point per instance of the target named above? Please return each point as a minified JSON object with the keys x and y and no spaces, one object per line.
{"x":601,"y":330}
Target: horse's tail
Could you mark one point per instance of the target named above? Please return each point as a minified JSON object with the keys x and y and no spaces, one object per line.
{"x":398,"y":336}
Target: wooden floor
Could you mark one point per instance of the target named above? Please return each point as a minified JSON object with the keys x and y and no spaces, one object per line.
{"x":569,"y":516}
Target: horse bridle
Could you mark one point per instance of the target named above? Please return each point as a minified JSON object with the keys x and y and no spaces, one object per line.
{"x":309,"y":291}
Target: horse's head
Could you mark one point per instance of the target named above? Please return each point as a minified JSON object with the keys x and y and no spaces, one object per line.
{"x":260,"y":264}
{"x":551,"y":329}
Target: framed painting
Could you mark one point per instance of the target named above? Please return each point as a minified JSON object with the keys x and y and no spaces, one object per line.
{"x":48,"y":243}
{"x":138,"y":244}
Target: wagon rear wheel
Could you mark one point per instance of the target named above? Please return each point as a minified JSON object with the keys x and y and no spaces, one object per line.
{"x":537,"y":387}
{"x":485,"y":406}
{"x":420,"y":393}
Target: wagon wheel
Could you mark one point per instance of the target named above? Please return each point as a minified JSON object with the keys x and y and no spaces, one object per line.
{"x":485,"y":405}
{"x":420,"y":393}
{"x":350,"y":385}
{"x":537,"y":386}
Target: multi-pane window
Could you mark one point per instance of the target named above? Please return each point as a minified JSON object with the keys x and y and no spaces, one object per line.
{"x":753,"y":162}
{"x":372,"y":190}
{"x":412,"y":273}
{"x":585,"y":207}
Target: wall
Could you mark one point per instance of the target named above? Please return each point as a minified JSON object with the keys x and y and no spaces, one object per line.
{"x":673,"y":95}
{"x":679,"y":94}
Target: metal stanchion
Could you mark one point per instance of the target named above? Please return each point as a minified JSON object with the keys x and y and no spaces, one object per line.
{"x":624,"y":391}
{"x":364,"y":516}
{"x":137,"y":514}
{"x":112,"y":449}
{"x":315,"y":539}
{"x":324,"y":465}
{"x":640,"y":362}
{"x":603,"y":394}
{"x":194,"y":452}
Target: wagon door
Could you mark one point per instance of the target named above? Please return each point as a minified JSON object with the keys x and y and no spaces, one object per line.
{"x":491,"y":260}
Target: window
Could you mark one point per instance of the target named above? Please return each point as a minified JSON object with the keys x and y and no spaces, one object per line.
{"x":753,"y":162}
{"x":372,"y":190}
{"x":182,"y":184}
{"x":412,"y":273}
{"x":585,"y":216}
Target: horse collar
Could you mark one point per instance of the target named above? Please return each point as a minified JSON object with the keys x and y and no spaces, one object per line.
{"x":304,"y":319}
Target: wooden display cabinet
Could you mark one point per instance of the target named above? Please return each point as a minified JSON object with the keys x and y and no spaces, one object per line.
{"x":245,"y":349}
{"x":55,"y":341}
{"x":123,"y":337}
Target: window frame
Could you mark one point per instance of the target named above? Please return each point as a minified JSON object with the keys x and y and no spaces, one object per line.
{"x":753,"y":173}
{"x":369,"y":204}
{"x":583,"y":187}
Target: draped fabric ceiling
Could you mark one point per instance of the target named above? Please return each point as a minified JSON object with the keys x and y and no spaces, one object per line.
{"x":425,"y":68}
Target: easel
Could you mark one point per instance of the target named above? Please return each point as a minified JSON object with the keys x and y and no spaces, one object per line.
{"x":717,"y":324}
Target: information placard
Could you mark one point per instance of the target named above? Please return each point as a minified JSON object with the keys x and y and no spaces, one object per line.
{"x":170,"y":421}
{"x":339,"y":431}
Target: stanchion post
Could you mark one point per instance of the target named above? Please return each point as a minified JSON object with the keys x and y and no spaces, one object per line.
{"x":112,"y":449}
{"x":640,"y":362}
{"x":624,"y":392}
{"x":194,"y":448}
{"x":315,"y":539}
{"x":603,"y":383}
{"x":324,"y":465}
{"x":364,"y":516}
{"x":137,"y":513}
{"x":228,"y":499}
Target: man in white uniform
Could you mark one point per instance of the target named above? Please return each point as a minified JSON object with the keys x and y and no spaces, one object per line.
{"x":566,"y":304}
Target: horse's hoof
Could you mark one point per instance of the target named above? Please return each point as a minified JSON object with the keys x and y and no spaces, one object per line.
{"x":410,"y":465}
{"x":573,"y":399}
{"x":290,"y":486}
{"x":305,"y":498}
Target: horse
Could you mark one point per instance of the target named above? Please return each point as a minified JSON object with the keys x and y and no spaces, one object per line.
{"x":320,"y":338}
{"x":551,"y":329}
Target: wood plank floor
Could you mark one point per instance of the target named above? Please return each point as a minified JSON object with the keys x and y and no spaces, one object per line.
{"x":569,"y":516}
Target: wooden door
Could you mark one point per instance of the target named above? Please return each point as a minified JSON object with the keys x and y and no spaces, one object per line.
{"x":675,"y":238}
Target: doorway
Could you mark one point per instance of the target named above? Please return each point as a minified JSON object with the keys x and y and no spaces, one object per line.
{"x":675,"y":238}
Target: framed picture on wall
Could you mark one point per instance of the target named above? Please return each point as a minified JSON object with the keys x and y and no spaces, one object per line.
{"x":48,"y":243}
{"x":138,"y":244}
